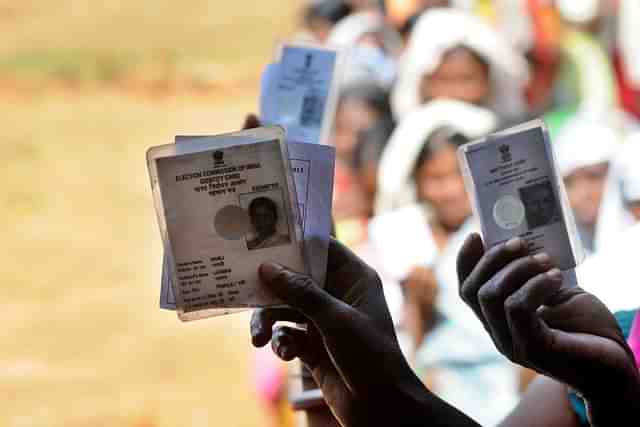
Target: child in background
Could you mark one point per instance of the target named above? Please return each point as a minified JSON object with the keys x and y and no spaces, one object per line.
{"x":360,"y":107}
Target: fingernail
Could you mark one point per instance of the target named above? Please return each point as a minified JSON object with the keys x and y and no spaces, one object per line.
{"x":543,"y":259}
{"x":555,"y":275}
{"x":514,"y":244}
{"x":269,"y":270}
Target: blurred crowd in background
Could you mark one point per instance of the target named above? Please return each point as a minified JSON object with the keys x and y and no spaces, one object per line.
{"x":422,"y":77}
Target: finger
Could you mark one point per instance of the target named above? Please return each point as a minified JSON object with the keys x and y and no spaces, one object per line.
{"x":299,"y":291}
{"x":263,"y":319}
{"x":493,"y":295}
{"x":469,"y":256}
{"x":352,"y":281}
{"x":289,"y":343}
{"x":340,"y":258}
{"x":494,"y":260}
{"x":529,"y":333}
{"x":345,"y":269}
{"x":251,"y":122}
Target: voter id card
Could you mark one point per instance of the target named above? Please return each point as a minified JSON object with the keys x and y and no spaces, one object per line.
{"x":225,"y":205}
{"x":312,"y":167}
{"x":516,"y":190}
{"x":299,"y":92}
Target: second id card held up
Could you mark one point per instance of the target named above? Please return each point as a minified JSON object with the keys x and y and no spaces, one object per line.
{"x":225,"y":206}
{"x":516,"y":190}
{"x":299,"y":92}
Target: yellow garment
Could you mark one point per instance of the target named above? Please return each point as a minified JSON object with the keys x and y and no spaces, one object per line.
{"x":590,"y":73}
{"x":486,"y":10}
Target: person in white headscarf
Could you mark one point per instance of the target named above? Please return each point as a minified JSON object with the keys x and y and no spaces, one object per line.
{"x":417,"y":244}
{"x":626,"y":168}
{"x":369,"y":46}
{"x":585,"y":147}
{"x":621,"y":205}
{"x":606,"y":273}
{"x":453,"y":54}
{"x":395,"y":186}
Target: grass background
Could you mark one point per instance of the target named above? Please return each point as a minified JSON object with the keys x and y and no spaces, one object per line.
{"x":206,"y":41}
{"x":85,"y":88}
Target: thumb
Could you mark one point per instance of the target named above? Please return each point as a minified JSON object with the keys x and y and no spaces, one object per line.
{"x":298,"y":291}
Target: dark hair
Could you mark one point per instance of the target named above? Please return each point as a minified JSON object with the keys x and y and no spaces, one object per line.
{"x":371,"y":143}
{"x":371,"y":94}
{"x":439,"y":138}
{"x":328,"y":10}
{"x":407,"y":26}
{"x":263,"y":201}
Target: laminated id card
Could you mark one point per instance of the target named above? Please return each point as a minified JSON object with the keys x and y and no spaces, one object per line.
{"x":516,"y":190}
{"x":312,"y":167}
{"x":299,"y":92}
{"x":225,"y":205}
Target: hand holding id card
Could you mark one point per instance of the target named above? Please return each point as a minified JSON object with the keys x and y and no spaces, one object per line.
{"x":516,"y":190}
{"x":225,"y":205}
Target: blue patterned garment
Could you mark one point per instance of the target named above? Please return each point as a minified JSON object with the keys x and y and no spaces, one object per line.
{"x":625,"y":320}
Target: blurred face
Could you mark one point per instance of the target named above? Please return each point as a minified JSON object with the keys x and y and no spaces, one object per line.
{"x":352,"y":117}
{"x":460,"y":76}
{"x":372,"y":40}
{"x":634,"y":208}
{"x":320,"y":29}
{"x":440,"y":184}
{"x":585,"y":187}
{"x":264,"y":220}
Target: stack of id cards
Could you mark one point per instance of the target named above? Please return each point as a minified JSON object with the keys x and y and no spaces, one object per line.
{"x":299,"y":91}
{"x":516,"y":190}
{"x":228,"y":203}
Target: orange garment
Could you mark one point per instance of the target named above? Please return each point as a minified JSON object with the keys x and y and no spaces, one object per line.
{"x":399,"y":11}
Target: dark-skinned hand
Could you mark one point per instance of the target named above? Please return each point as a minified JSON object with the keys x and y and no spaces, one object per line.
{"x":350,"y":345}
{"x":537,"y":322}
{"x":345,"y":322}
